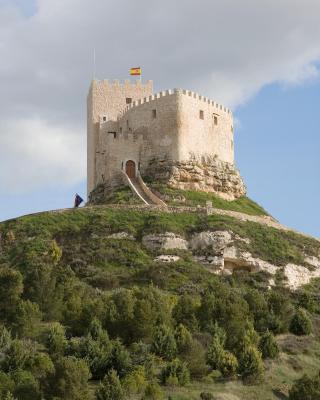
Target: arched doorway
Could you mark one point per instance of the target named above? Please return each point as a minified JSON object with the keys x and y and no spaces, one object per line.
{"x":131,"y":169}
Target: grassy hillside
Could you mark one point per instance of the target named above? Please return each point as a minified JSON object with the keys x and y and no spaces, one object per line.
{"x":78,"y":307}
{"x":176,"y":197}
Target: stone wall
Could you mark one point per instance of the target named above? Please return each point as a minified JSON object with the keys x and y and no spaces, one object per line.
{"x":178,"y":137}
{"x":106,"y":100}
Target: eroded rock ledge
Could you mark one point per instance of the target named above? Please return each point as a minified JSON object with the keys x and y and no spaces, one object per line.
{"x":220,"y":252}
{"x":211,"y":175}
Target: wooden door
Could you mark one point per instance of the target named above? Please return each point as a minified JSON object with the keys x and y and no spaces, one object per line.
{"x":131,"y":169}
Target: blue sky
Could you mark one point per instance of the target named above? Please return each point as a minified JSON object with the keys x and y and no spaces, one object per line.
{"x":269,"y":77}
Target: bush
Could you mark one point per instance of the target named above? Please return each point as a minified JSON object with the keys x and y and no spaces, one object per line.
{"x":268,"y":345}
{"x":228,"y":364}
{"x":70,"y":380}
{"x":221,"y":359}
{"x":153,"y":392}
{"x":206,"y":396}
{"x":135,"y":382}
{"x":110,"y":388}
{"x":305,"y":388}
{"x":175,"y":373}
{"x":250,"y":365}
{"x":164,"y":344}
{"x":300,"y":323}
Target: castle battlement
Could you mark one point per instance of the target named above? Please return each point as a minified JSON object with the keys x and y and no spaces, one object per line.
{"x":153,"y":98}
{"x":162,"y":134}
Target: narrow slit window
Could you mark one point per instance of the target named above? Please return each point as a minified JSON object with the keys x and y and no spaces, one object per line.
{"x":104,"y":119}
{"x":215,"y":120}
{"x":201,"y":114}
{"x":154,"y":113}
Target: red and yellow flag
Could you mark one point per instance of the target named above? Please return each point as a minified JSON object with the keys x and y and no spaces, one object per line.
{"x":135,"y":71}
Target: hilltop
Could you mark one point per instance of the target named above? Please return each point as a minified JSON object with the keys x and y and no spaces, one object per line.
{"x":191,"y":300}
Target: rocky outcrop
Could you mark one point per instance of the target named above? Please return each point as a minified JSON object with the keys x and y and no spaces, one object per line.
{"x":164,"y":241}
{"x":167,"y":258}
{"x":210,"y":175}
{"x":221,"y":252}
{"x":121,"y":236}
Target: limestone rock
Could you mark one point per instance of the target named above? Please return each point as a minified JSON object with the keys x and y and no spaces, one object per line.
{"x":164,"y":241}
{"x":218,"y":240}
{"x":121,"y":235}
{"x":167,"y":258}
{"x":298,"y":275}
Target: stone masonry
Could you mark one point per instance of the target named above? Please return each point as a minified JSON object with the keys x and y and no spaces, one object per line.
{"x":176,"y":136}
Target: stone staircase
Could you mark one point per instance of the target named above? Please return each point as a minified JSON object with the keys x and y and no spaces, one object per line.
{"x":141,"y":190}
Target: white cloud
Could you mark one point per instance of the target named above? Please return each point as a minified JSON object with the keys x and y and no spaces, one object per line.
{"x":35,"y":154}
{"x":228,"y":50}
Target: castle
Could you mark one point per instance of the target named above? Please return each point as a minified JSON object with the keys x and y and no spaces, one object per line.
{"x":175,"y":136}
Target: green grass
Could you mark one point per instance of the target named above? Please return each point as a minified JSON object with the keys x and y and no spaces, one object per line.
{"x":193,"y":198}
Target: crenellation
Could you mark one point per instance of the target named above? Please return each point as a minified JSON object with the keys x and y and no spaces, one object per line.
{"x":127,"y":121}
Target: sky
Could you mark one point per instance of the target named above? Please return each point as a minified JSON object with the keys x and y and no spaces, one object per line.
{"x":260,"y":58}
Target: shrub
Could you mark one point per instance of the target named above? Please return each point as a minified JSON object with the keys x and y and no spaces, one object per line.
{"x":164,"y":344}
{"x":250,"y":364}
{"x":183,"y":338}
{"x":206,"y":396}
{"x":228,"y":364}
{"x":70,"y":380}
{"x":195,"y":358}
{"x":268,"y":345}
{"x":175,"y":372}
{"x":300,"y":323}
{"x":153,"y":392}
{"x":56,"y":340}
{"x":305,"y":388}
{"x":214,"y":353}
{"x":110,"y":388}
{"x":221,"y":359}
{"x":136,"y":381}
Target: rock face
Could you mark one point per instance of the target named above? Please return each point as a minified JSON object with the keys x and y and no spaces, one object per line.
{"x":211,"y":175}
{"x":221,"y":254}
{"x":167,"y":258}
{"x":164,"y":241}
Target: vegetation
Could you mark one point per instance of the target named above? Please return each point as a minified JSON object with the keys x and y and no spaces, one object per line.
{"x":88,"y":316}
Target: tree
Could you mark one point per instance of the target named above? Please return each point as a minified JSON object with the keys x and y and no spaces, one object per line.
{"x":27,"y":319}
{"x":120,"y":359}
{"x":300,"y":323}
{"x":268,"y":345}
{"x":185,"y":312}
{"x":183,"y":339}
{"x":110,"y":388}
{"x":135,"y":382}
{"x":153,"y":392}
{"x":250,"y":364}
{"x":164,"y":344}
{"x":175,"y":372}
{"x":11,"y":288}
{"x":70,"y":380}
{"x":221,"y":359}
{"x":26,"y":386}
{"x":305,"y":388}
{"x":56,"y":341}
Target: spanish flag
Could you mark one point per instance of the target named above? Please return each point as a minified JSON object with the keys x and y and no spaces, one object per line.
{"x":135,"y":71}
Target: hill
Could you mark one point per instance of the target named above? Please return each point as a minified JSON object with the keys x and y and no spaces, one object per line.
{"x":143,"y":297}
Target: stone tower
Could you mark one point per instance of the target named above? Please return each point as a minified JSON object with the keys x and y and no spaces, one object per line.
{"x":175,"y":136}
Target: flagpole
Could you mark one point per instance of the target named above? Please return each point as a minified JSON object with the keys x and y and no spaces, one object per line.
{"x":94,"y":63}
